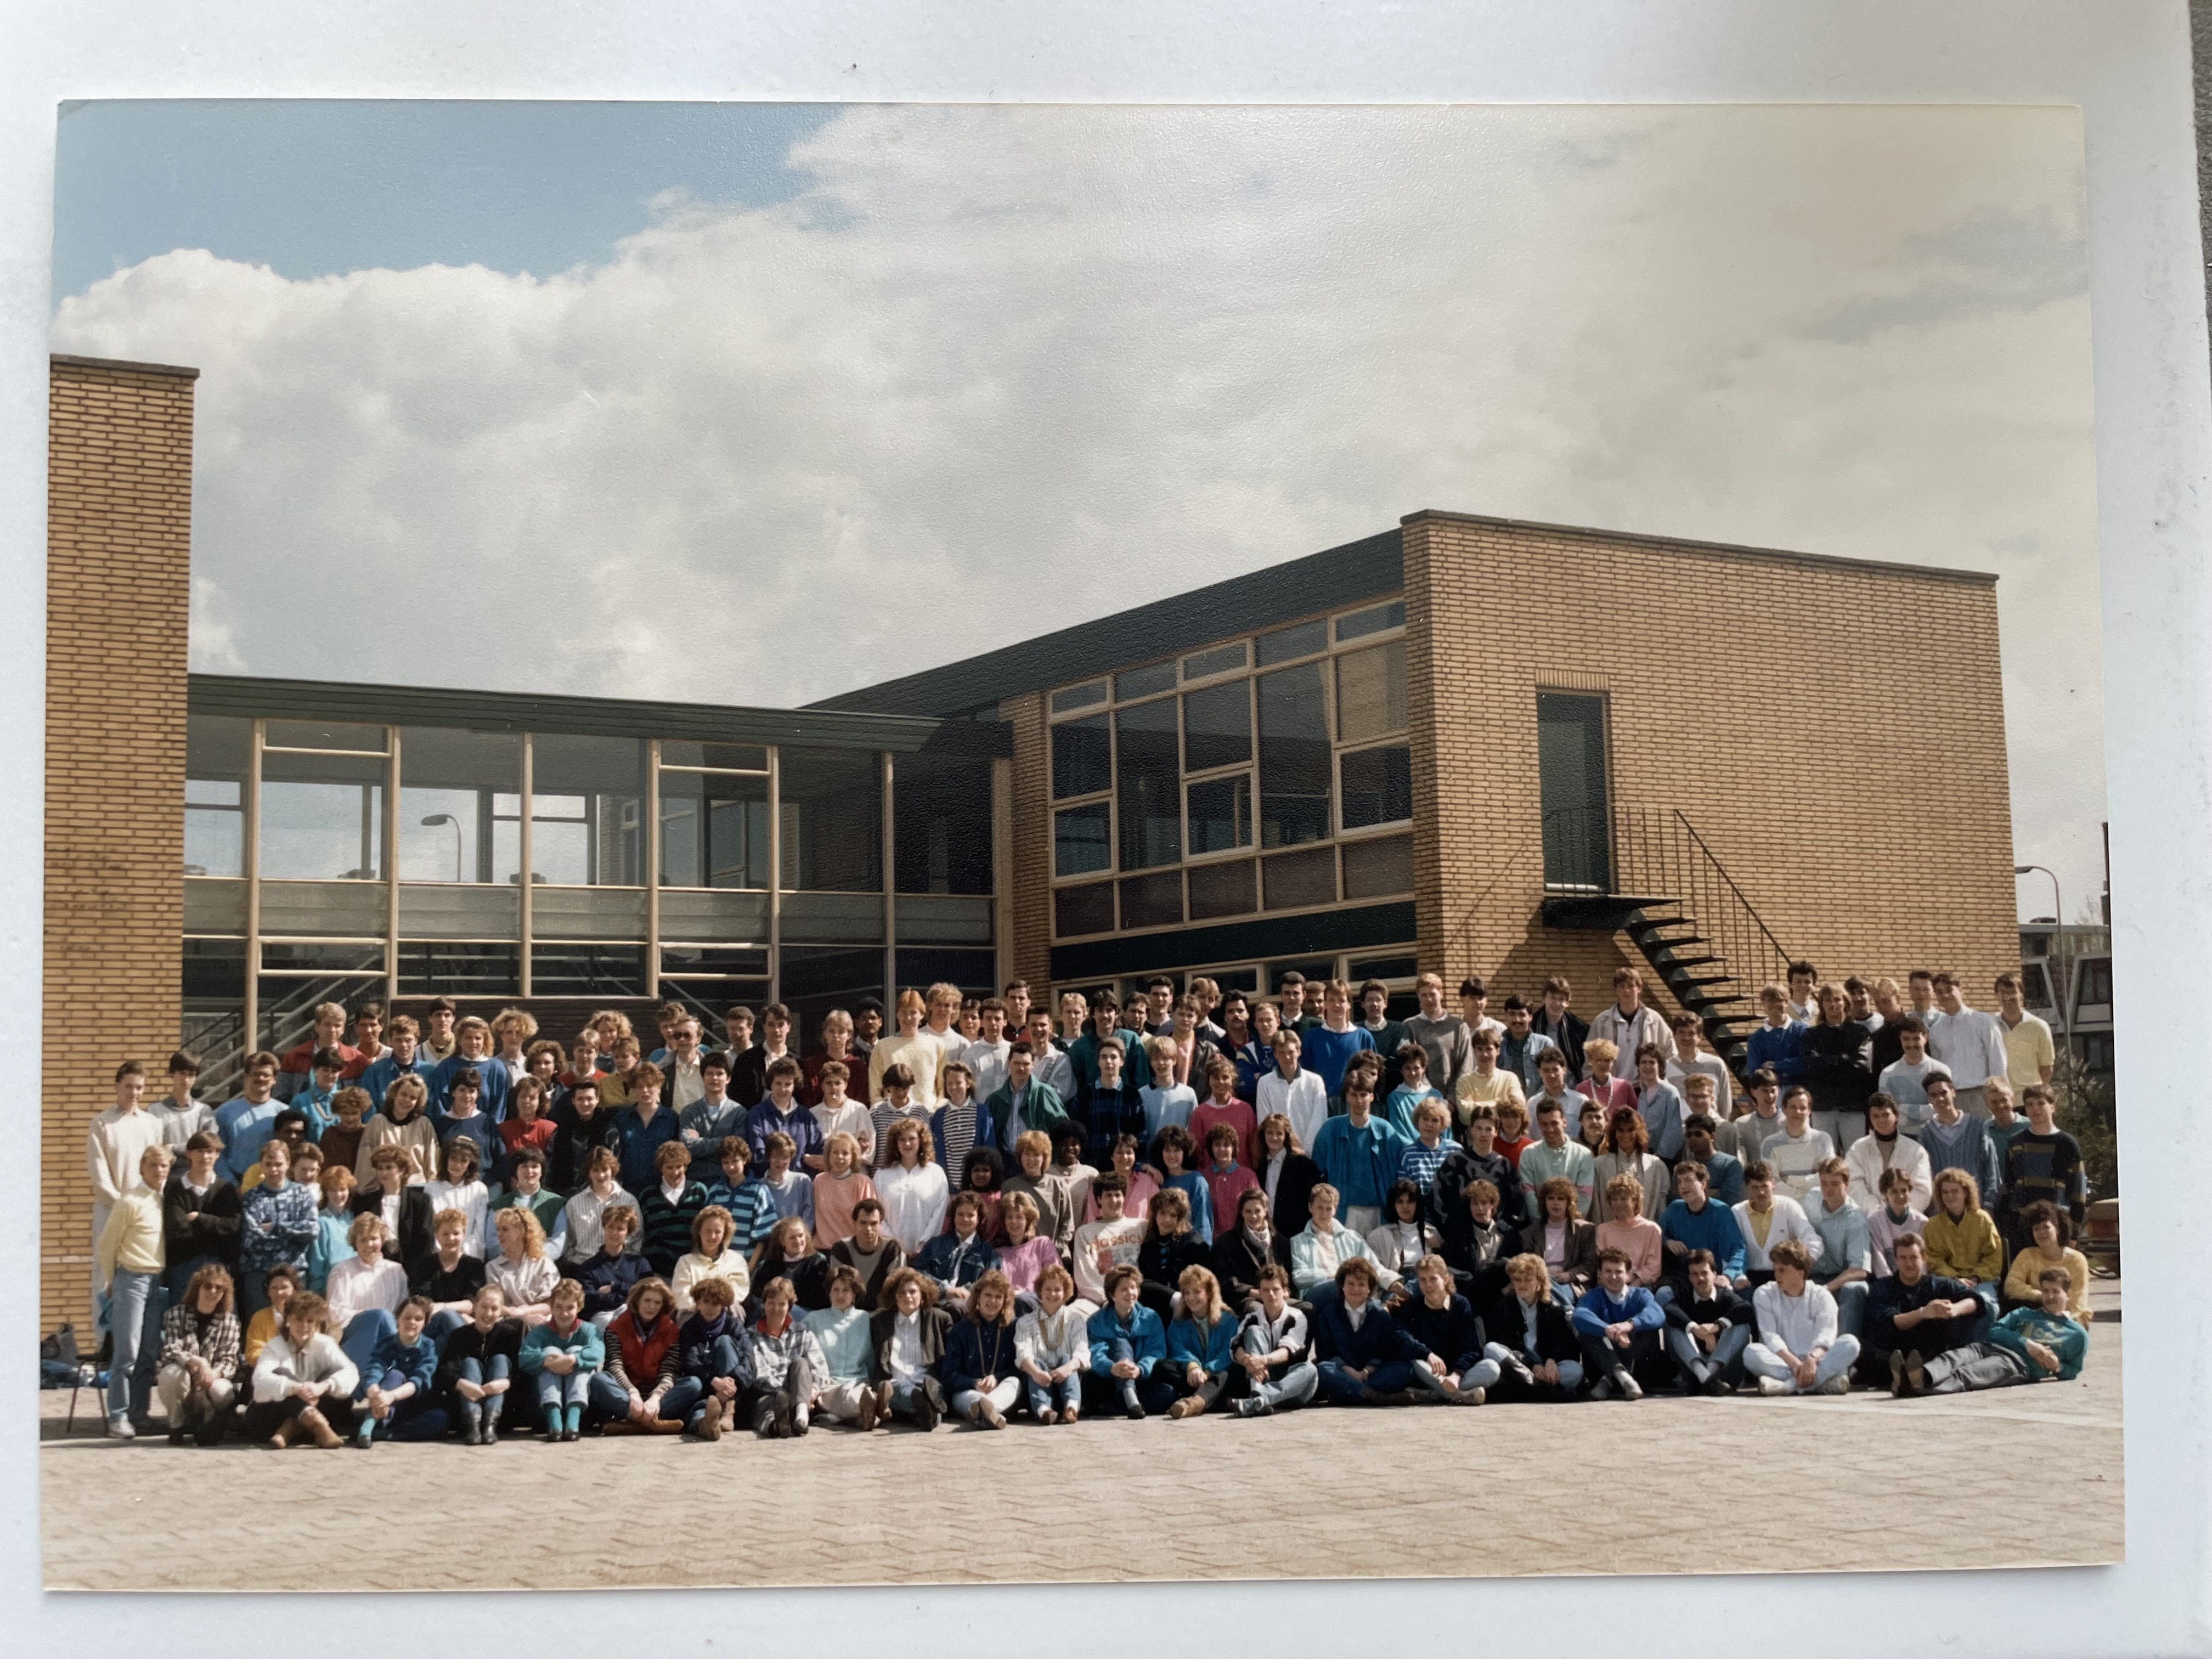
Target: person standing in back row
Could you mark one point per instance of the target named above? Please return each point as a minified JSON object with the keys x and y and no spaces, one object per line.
{"x":1629,"y":1024}
{"x":1444,"y":1037}
{"x":1970,"y":1042}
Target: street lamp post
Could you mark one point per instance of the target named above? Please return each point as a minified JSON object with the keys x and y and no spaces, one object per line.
{"x":2062,"y":989}
{"x":2057,"y":905}
{"x":432,"y":822}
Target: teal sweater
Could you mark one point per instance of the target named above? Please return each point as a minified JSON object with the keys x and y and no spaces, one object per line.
{"x":2063,"y":1337}
{"x":585,"y":1342}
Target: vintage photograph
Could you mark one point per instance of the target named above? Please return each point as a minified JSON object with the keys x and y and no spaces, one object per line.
{"x":1292,"y":823}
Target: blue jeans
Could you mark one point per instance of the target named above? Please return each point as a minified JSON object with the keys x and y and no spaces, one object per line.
{"x":1570,"y":1374}
{"x":686,"y":1398}
{"x":1850,"y":1306}
{"x":135,"y":1303}
{"x":1295,"y":1387}
{"x":1701,"y":1365}
{"x":1065,"y":1395}
{"x":497,"y":1369}
{"x":1153,"y":1392}
{"x":418,"y":1417}
{"x":1341,"y":1389}
{"x":560,"y":1397}
{"x":362,"y":1333}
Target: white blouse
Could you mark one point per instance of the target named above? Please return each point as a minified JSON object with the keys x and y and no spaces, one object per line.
{"x":913,"y":1203}
{"x":691,"y":1268}
{"x":473,"y":1200}
{"x":355,"y":1287}
{"x":527,"y":1282}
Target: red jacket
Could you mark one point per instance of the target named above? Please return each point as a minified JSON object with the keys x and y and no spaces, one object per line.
{"x":646,"y":1361}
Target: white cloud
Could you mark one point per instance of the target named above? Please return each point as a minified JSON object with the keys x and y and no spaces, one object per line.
{"x":1002,"y":369}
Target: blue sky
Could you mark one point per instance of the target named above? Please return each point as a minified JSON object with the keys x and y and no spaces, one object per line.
{"x":314,"y":187}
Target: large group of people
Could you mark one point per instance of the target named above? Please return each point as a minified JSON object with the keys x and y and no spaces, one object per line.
{"x":989,"y":1209}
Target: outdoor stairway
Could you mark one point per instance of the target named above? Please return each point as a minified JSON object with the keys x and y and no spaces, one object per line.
{"x":1666,"y":889}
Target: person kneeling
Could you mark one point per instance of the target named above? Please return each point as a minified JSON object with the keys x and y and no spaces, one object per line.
{"x":1618,"y":1324}
{"x":1128,"y":1349}
{"x":982,"y":1365}
{"x":2042,"y":1344}
{"x":1365,"y":1358}
{"x":1799,"y":1350}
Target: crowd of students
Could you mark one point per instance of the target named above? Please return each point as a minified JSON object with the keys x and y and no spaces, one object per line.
{"x":1196,"y":1201}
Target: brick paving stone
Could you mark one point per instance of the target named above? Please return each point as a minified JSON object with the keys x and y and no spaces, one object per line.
{"x":833,"y":1509}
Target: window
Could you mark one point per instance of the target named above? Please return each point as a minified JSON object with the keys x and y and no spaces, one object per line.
{"x":941,"y":823}
{"x":1082,"y":757}
{"x":1379,"y":786}
{"x":713,"y":829}
{"x":1079,"y":696}
{"x":1370,"y":692}
{"x":1223,"y":890}
{"x":1142,"y":682}
{"x":322,"y":816}
{"x":1287,"y":644}
{"x":461,"y":805}
{"x":1217,"y":726}
{"x":218,"y":754}
{"x":1080,"y":843}
{"x":588,"y":970}
{"x":1221,"y":814}
{"x":1570,"y":781}
{"x":1152,"y":901}
{"x":1150,"y":769}
{"x":1376,"y":619}
{"x":1296,"y":880}
{"x":1077,"y":910}
{"x":1220,"y":659}
{"x":1294,"y":758}
{"x":833,"y":819}
{"x":588,"y":811}
{"x":433,"y":967}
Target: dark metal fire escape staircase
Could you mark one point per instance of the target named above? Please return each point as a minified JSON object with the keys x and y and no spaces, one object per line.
{"x":1647,"y":872}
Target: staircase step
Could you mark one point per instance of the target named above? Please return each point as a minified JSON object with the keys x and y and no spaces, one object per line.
{"x":1675,"y":982}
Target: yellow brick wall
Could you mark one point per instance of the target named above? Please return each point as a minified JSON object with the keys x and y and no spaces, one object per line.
{"x":1834,"y":731}
{"x":119,"y":570}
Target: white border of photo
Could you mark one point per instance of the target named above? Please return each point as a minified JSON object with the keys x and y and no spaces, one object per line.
{"x":2125,"y":62}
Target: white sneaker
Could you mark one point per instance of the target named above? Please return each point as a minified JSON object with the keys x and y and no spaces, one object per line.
{"x":1772,"y":1385}
{"x":1629,"y":1387}
{"x":1839,"y":1383}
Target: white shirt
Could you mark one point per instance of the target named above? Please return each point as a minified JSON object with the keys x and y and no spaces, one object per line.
{"x":988,"y":1062}
{"x":1973,"y":1044}
{"x":1788,"y":1220}
{"x":913,"y":1202}
{"x":355,"y":1287}
{"x":1867,"y":1164}
{"x":907,"y":1361}
{"x":1302,"y":1099}
{"x":1803,"y":1324}
{"x":114,"y":1146}
{"x":580,"y":1219}
{"x":473,"y":1200}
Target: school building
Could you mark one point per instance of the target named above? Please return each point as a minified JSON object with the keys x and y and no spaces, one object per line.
{"x":1466,"y":744}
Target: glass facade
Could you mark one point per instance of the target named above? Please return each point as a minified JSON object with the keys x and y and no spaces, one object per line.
{"x":328,"y":860}
{"x":1267,"y":774}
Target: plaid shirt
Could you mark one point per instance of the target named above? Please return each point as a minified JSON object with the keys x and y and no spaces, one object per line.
{"x":182,"y":1337}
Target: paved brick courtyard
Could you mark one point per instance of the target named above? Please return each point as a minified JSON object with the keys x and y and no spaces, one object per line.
{"x":1398,"y":1487}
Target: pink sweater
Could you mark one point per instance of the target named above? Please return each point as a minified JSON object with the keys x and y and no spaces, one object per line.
{"x":1023,"y":1262}
{"x":1644,"y":1242}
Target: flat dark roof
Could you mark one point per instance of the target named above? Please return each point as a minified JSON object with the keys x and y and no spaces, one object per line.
{"x":121,"y":365}
{"x":1260,"y":599}
{"x":1335,"y":577}
{"x":251,"y":696}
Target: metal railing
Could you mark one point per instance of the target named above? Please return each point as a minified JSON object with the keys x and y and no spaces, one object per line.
{"x":223,"y":1042}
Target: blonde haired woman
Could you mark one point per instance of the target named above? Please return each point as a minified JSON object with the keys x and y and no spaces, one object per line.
{"x":403,"y":1120}
{"x":840,"y":1186}
{"x":911,"y":1188}
{"x":524,"y":1272}
{"x":131,"y":1258}
{"x":710,"y":1257}
{"x":365,"y":1291}
{"x":912,"y":1048}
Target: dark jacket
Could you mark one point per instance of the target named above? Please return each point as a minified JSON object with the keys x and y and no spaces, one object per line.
{"x":417,"y":1243}
{"x":643,"y":1359}
{"x":1461,"y":1170}
{"x":1581,"y":1250}
{"x":469,"y":1343}
{"x":1377,"y":1339}
{"x":1478,"y":1260}
{"x":204,"y":1225}
{"x":1555,"y":1333}
{"x":694,"y":1348}
{"x":1888,"y":1297}
{"x":1839,"y":1067}
{"x":575,"y":1140}
{"x":974,"y":1351}
{"x":607,"y":1279}
{"x":1452,"y":1333}
{"x":1723,"y":1307}
{"x":1105,"y":1118}
{"x":1042,"y":1109}
{"x":665,"y":1227}
{"x":426,"y":1277}
{"x":936,"y":1331}
{"x":947,"y":1261}
{"x":809,"y":1277}
{"x":1570,"y":1034}
{"x":1237,"y":1265}
{"x":1294,"y":1191}
{"x":1162,"y":1258}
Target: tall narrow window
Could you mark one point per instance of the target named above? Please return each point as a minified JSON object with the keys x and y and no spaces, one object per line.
{"x":1294,"y":758}
{"x":1149,"y":784}
{"x":1571,"y":774}
{"x":218,"y":752}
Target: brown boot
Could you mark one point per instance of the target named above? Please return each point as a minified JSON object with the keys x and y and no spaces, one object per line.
{"x":867,"y":1410}
{"x":1189,"y":1406}
{"x":320,"y":1426}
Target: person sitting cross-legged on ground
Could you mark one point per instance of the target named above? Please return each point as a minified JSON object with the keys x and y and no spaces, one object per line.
{"x":630,"y":1393}
{"x":1441,"y":1322}
{"x":394,"y":1399}
{"x":909,"y":1331}
{"x":1914,"y":1315}
{"x":302,"y":1381}
{"x":1618,"y":1324}
{"x":1708,"y":1327}
{"x":847,"y":1392}
{"x":476,"y":1366}
{"x":1366,"y":1359}
{"x":1128,"y":1350}
{"x":1273,"y":1349}
{"x":1532,"y":1339}
{"x":982,"y":1367}
{"x":787,"y":1363}
{"x":2042,"y":1344}
{"x":1799,"y":1349}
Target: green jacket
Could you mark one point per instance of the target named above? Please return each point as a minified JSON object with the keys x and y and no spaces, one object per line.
{"x":1041,"y":1110}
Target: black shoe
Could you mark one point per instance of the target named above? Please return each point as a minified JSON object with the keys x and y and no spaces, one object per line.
{"x":1916,"y":1371}
{"x":1521,"y":1372}
{"x":926,"y":1412}
{"x":1900,"y":1384}
{"x":1717,"y":1386}
{"x":177,"y":1434}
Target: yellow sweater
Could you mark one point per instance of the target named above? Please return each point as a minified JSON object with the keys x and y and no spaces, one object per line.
{"x":133,"y":1239}
{"x":1968,"y":1248}
{"x":2020,"y":1284}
